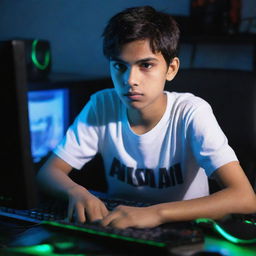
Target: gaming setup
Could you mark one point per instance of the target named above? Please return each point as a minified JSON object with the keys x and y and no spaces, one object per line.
{"x":35,"y":111}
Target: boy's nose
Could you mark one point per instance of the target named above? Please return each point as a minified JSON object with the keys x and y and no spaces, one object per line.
{"x":132,"y":77}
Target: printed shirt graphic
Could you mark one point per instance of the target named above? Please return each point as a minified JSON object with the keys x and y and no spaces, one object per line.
{"x":171,"y":162}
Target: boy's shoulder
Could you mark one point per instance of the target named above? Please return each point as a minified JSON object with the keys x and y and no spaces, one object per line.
{"x":187,"y":101}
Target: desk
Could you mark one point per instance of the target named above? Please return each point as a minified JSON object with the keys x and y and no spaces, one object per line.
{"x":37,"y":240}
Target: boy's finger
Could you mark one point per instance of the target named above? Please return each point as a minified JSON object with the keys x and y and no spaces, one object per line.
{"x":94,"y":214}
{"x":80,"y":214}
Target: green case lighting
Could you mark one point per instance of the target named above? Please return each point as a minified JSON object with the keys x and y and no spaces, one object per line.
{"x":45,"y":64}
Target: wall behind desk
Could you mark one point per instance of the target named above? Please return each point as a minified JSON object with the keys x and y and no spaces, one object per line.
{"x":74,"y":29}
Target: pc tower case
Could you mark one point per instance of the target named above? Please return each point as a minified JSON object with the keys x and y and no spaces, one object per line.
{"x":21,"y":61}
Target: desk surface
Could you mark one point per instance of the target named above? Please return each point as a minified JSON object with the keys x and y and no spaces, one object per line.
{"x":36,"y":240}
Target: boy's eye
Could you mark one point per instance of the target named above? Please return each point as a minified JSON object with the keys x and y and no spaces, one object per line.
{"x":146,"y":65}
{"x":119,"y":66}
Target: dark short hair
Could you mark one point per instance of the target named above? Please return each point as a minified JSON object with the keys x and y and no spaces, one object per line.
{"x":140,"y":23}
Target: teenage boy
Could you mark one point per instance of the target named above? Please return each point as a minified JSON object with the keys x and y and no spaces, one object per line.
{"x":157,"y":146}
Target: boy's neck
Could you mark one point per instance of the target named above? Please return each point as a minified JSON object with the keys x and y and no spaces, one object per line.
{"x":142,"y":121}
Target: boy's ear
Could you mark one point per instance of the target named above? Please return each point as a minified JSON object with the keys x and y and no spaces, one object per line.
{"x":173,"y":69}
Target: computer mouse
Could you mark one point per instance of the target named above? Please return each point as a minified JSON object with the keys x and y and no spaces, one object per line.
{"x":234,"y":230}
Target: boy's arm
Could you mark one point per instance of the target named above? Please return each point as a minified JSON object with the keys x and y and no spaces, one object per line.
{"x":237,"y":197}
{"x":53,"y":179}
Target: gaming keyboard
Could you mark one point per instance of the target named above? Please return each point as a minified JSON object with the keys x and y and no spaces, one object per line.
{"x":161,"y":238}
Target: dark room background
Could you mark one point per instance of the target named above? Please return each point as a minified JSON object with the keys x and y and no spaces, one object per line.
{"x":74,"y":30}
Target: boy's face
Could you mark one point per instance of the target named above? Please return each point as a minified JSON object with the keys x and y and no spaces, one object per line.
{"x":139,"y":75}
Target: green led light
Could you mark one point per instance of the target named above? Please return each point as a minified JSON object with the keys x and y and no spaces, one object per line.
{"x":101,"y":233}
{"x":225,"y":234}
{"x":41,"y":249}
{"x":250,"y":222}
{"x":35,"y":60}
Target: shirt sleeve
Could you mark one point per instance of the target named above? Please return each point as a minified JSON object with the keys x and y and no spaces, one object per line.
{"x":80,"y":143}
{"x":209,"y":143}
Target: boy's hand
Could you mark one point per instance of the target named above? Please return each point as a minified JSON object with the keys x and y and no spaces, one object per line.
{"x":83,"y":206}
{"x":127,"y":216}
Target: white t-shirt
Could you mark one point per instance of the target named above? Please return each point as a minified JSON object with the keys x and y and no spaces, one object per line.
{"x":171,"y":162}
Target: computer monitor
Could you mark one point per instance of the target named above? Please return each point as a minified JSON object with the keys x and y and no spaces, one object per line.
{"x":33,"y":124}
{"x":48,"y":120}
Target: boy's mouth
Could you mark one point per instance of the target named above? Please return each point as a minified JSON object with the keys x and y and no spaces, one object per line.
{"x":133,"y":95}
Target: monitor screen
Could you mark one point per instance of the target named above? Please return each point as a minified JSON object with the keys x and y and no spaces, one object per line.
{"x":48,"y":120}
